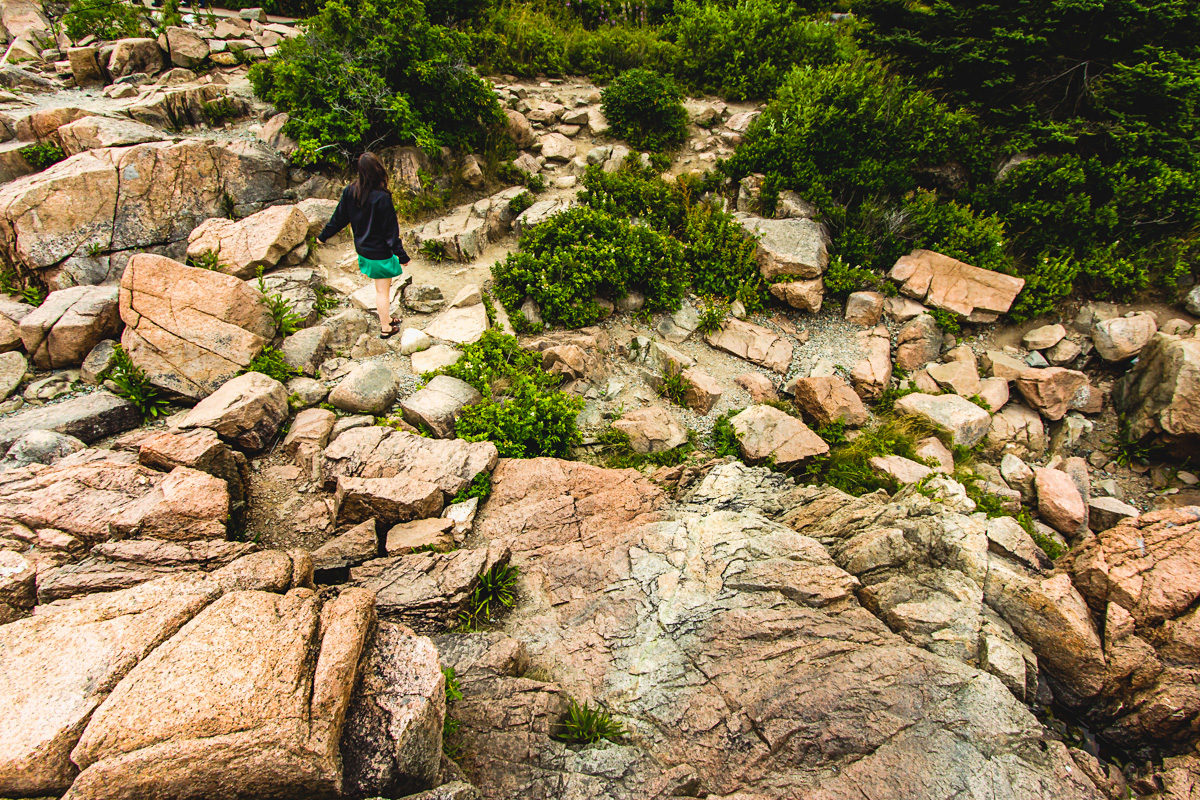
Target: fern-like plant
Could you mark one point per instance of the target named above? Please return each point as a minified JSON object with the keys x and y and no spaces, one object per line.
{"x":286,"y":320}
{"x":270,"y":362}
{"x":130,"y":381}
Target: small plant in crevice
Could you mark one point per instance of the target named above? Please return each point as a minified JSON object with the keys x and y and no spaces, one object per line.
{"x":712,"y":315}
{"x":29,"y":293}
{"x":480,"y":486}
{"x":131,"y":383}
{"x":1127,"y":450}
{"x":42,"y":154}
{"x":493,"y":594}
{"x":847,"y":465}
{"x":270,"y":362}
{"x":519,"y":203}
{"x":218,"y":111}
{"x":327,"y":300}
{"x":207,"y":260}
{"x":286,"y":320}
{"x":723,"y":439}
{"x":947,"y":321}
{"x":434,"y":250}
{"x":673,"y":386}
{"x":617,"y":453}
{"x":1049,"y":546}
{"x":228,"y":206}
{"x":588,"y":724}
{"x":979,"y":401}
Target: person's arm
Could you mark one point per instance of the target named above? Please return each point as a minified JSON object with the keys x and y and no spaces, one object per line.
{"x":393,"y":231}
{"x":339,"y":220}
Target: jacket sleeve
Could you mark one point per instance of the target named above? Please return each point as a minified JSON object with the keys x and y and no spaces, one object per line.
{"x":339,"y":220}
{"x":392,"y":226}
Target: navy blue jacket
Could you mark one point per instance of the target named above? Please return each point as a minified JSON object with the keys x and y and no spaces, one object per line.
{"x":376,"y":232}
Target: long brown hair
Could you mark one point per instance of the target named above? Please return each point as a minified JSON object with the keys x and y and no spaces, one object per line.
{"x":371,"y":176}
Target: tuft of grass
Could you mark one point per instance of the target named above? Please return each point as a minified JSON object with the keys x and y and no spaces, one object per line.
{"x":494,"y":593}
{"x":588,"y":724}
{"x":434,"y":250}
{"x":617,"y":453}
{"x":218,"y":111}
{"x":132,"y":383}
{"x":29,"y":293}
{"x":673,"y":386}
{"x":453,"y":690}
{"x":327,"y":299}
{"x":1049,"y":546}
{"x":723,"y":440}
{"x":1127,"y":451}
{"x":847,"y":466}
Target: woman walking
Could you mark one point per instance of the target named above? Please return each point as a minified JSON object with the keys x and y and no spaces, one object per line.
{"x":366,"y":205}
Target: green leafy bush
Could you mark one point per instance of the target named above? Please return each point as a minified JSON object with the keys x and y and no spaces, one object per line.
{"x":645,"y":109}
{"x":1050,"y":280}
{"x":522,"y":411}
{"x":583,"y":253}
{"x":587,"y":724}
{"x":27,"y":292}
{"x":480,"y":486}
{"x":712,"y":315}
{"x":847,"y":465}
{"x":636,"y":190}
{"x":617,"y":453}
{"x":132,"y":383}
{"x":947,"y":321}
{"x":42,"y":154}
{"x":105,"y":19}
{"x":367,"y":73}
{"x":720,"y":256}
{"x":210,"y":260}
{"x":286,"y":320}
{"x":742,"y":50}
{"x":519,"y":203}
{"x":723,"y":439}
{"x":270,"y":362}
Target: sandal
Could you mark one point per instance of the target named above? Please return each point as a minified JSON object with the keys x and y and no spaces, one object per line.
{"x":387,"y":334}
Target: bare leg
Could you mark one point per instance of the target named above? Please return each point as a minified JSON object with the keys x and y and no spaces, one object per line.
{"x":383,"y":302}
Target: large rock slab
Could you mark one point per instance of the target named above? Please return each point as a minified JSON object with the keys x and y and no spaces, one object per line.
{"x":190,"y":329}
{"x":766,"y":434}
{"x":68,"y":324}
{"x":459,"y":325}
{"x":713,"y":631}
{"x":244,"y":246}
{"x":269,"y":679}
{"x":943,"y":282}
{"x":246,"y":411}
{"x":966,"y":422}
{"x":386,"y":500}
{"x":393,"y":736}
{"x":57,"y":667}
{"x":165,"y":189}
{"x":1160,"y":396}
{"x":753,"y":343}
{"x":93,"y":132}
{"x":437,"y":405}
{"x":87,"y":417}
{"x":378,"y":452}
{"x":102,"y":499}
{"x":651,"y":430}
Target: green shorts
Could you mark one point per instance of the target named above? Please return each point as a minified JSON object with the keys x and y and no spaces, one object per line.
{"x":376,"y":268}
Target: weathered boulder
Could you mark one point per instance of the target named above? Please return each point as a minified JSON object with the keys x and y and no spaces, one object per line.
{"x":1059,"y":502}
{"x":185,"y":47}
{"x":190,"y":329}
{"x":1108,"y":512}
{"x":369,"y":389}
{"x":1053,"y":391}
{"x":269,"y":679}
{"x":130,"y":56}
{"x":789,"y":247}
{"x":759,"y":386}
{"x":93,"y":132}
{"x":375,"y":451}
{"x":829,"y":399}
{"x":460,"y":325}
{"x":87,"y":417}
{"x":392,"y":745}
{"x":1017,"y":429}
{"x":259,"y":241}
{"x":519,"y":129}
{"x":305,"y":349}
{"x":918,"y":342}
{"x":864,"y":308}
{"x":962,"y":378}
{"x":200,"y":449}
{"x":434,"y":358}
{"x":903,"y":470}
{"x":164,"y":190}
{"x":40,"y":447}
{"x":1122,"y":338}
{"x":246,"y":411}
{"x":437,"y":405}
{"x":428,"y":591}
{"x":765,"y":433}
{"x":872,"y":374}
{"x":360,"y":543}
{"x":1160,"y":396}
{"x":1043,"y":337}
{"x":966,"y":422}
{"x":753,"y":343}
{"x":68,"y":324}
{"x":980,"y":295}
{"x":651,"y":430}
{"x":804,"y":295}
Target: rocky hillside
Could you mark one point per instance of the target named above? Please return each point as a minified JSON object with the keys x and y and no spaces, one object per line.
{"x":799,"y":542}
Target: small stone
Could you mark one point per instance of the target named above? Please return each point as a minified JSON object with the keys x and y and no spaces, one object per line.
{"x":1044,"y":337}
{"x":903,"y":470}
{"x":759,"y":386}
{"x":414,"y":341}
{"x":864,"y":308}
{"x":369,"y":389}
{"x":1059,"y":502}
{"x":434,"y":358}
{"x":931,"y":449}
{"x":765,"y":433}
{"x":1107,"y":512}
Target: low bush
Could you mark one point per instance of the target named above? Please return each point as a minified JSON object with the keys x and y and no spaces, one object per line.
{"x":742,"y":50}
{"x":522,"y":411}
{"x":581,"y":254}
{"x":105,"y":19}
{"x":723,"y":439}
{"x":42,"y":154}
{"x":847,"y":466}
{"x":132,"y":383}
{"x":366,"y":73}
{"x":286,"y":320}
{"x":270,"y":362}
{"x":645,"y":109}
{"x":519,"y":203}
{"x":480,"y":486}
{"x":617,"y":453}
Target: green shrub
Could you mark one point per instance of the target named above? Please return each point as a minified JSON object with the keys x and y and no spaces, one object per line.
{"x":286,"y":320}
{"x":712,"y":315}
{"x":636,"y":190}
{"x":216,"y":112}
{"x":104,"y":19}
{"x":586,"y":724}
{"x":645,"y":109}
{"x":723,"y":439}
{"x":270,"y":362}
{"x":480,"y":486}
{"x":842,"y":280}
{"x":673,"y":386}
{"x":847,"y":466}
{"x":720,"y":256}
{"x":519,"y":203}
{"x":366,"y":73}
{"x":520,"y":40}
{"x":617,"y":453}
{"x":742,"y":50}
{"x":132,"y":383}
{"x":947,"y":321}
{"x":434,"y":250}
{"x":453,"y":688}
{"x":42,"y":154}
{"x":327,"y":299}
{"x":27,"y":292}
{"x":522,"y":412}
{"x":1050,"y":280}
{"x":581,"y":254}
{"x":210,"y":260}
